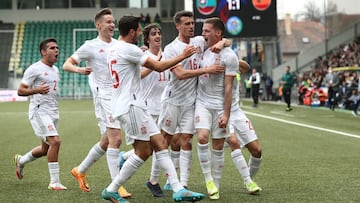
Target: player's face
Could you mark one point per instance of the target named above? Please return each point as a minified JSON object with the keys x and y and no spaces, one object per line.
{"x":137,"y":35}
{"x":209,"y":34}
{"x":106,"y":26}
{"x":155,"y":37}
{"x":186,"y":26}
{"x":51,"y":53}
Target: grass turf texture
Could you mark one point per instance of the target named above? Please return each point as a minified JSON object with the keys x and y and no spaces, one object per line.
{"x":299,"y":164}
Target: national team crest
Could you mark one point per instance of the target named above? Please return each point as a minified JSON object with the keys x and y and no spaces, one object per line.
{"x":261,"y":5}
{"x":167,"y":122}
{"x":143,"y":130}
{"x":206,"y":7}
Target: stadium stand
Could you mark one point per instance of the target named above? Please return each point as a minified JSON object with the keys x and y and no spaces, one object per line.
{"x":30,"y":33}
{"x":346,"y":56}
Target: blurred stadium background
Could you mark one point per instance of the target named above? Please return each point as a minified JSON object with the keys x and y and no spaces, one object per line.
{"x":297,"y":40}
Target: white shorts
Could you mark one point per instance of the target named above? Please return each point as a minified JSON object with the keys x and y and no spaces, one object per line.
{"x":45,"y":125}
{"x":177,"y":119}
{"x":155,"y":118}
{"x":243,"y":130}
{"x":138,"y":125}
{"x":209,"y":119}
{"x":103,"y":114}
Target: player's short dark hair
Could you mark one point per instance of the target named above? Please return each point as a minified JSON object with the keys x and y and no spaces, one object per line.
{"x":217,"y":24}
{"x":126,"y":23}
{"x":146,"y":32}
{"x":178,"y":15}
{"x":101,"y":13}
{"x":43,"y":44}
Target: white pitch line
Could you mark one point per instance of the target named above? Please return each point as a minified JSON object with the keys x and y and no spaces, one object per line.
{"x":304,"y":125}
{"x":281,"y":113}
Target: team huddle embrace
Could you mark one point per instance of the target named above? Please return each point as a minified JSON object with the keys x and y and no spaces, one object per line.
{"x":194,"y":80}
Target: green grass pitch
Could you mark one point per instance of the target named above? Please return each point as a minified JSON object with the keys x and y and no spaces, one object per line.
{"x":309,"y":155}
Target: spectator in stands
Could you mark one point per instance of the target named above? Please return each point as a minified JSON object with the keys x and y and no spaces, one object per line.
{"x":41,"y":82}
{"x":255,"y":86}
{"x":142,"y":19}
{"x":355,"y":101}
{"x":147,"y":19}
{"x":247,"y":85}
{"x":157,"y":19}
{"x":287,"y":81}
{"x":316,"y":79}
{"x":268,"y":88}
{"x":342,"y":94}
{"x":332,"y":83}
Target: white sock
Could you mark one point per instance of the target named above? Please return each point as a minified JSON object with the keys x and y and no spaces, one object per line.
{"x":54,"y":171}
{"x":155,"y":170}
{"x":217,"y":163}
{"x":28,"y":157}
{"x":127,"y":154}
{"x":129,"y":168}
{"x":205,"y":162}
{"x":175,"y":158}
{"x":254,"y":165}
{"x":112,"y":157}
{"x":95,"y":153}
{"x":185,"y":166}
{"x":165,"y":163}
{"x":241,"y":165}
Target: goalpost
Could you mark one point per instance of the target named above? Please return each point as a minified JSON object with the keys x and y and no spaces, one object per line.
{"x":80,"y":91}
{"x":83,"y":90}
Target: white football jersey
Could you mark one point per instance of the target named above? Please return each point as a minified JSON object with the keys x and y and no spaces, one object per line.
{"x":182,"y":92}
{"x":34,"y":76}
{"x":95,"y":52}
{"x":210,"y":89}
{"x":125,"y":60}
{"x":152,"y":86}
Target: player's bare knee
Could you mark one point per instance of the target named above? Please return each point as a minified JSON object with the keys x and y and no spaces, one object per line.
{"x":218,"y":144}
{"x":54,"y":141}
{"x":256,"y":152}
{"x":233,"y":143}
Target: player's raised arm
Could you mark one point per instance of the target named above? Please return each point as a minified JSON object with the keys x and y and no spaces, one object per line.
{"x":165,"y":64}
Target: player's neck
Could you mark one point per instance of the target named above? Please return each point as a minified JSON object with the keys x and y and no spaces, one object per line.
{"x":184,"y":39}
{"x":127,"y":39}
{"x":46,"y":62}
{"x":154,"y":50}
{"x":105,"y":39}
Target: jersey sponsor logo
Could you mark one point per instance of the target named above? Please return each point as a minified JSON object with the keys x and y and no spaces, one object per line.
{"x":101,"y":51}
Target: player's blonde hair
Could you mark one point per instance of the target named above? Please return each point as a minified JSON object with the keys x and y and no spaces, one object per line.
{"x":101,"y":13}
